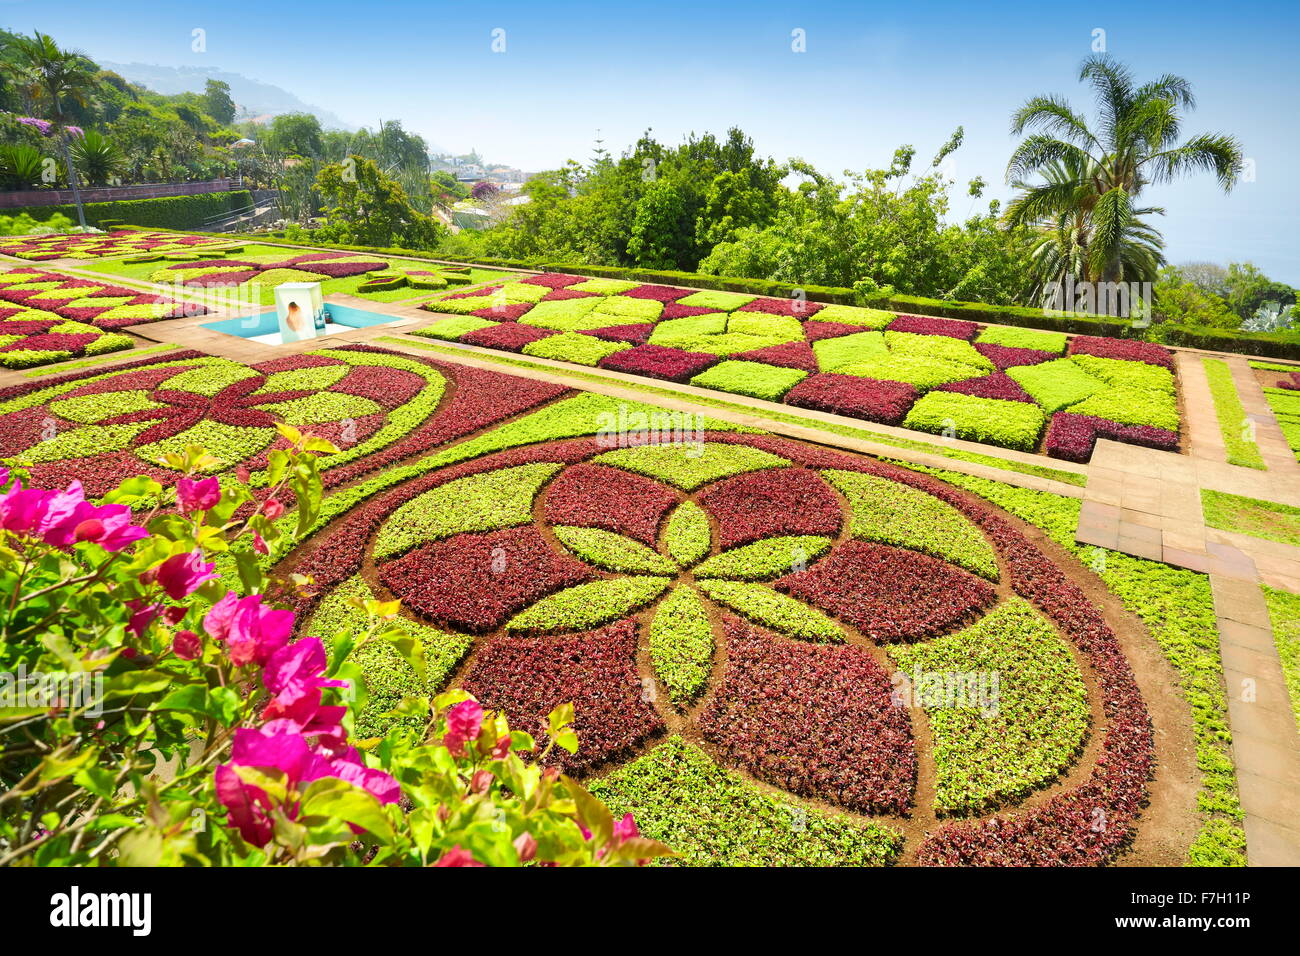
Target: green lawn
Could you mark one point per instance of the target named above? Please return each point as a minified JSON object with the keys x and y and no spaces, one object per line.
{"x":1284,"y":610}
{"x":1260,"y":519}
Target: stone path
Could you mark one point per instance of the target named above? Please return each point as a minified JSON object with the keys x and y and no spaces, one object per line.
{"x":1148,"y":503}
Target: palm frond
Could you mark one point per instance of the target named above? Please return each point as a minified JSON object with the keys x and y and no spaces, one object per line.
{"x":1041,"y":150}
{"x":1210,"y":152}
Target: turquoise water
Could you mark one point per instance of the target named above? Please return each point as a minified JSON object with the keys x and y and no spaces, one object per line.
{"x":246,"y":327}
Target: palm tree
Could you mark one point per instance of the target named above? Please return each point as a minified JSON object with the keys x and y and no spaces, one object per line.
{"x":1092,"y":176}
{"x":49,"y":76}
{"x":1059,"y":210}
{"x":99,"y":158}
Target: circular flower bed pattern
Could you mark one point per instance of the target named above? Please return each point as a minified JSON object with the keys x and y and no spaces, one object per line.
{"x":375,"y":406}
{"x":745,"y":609}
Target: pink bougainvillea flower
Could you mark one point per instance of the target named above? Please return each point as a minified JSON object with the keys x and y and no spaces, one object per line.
{"x":457,"y":857}
{"x":187,"y":645}
{"x":110,"y":527}
{"x":142,"y":616}
{"x":625,"y":829}
{"x":295,"y":675}
{"x":62,"y":518}
{"x":526,"y":846}
{"x":198,"y":495}
{"x":183,"y":574}
{"x":272,"y":508}
{"x":250,"y":808}
{"x":463,"y":723}
{"x":252,"y":631}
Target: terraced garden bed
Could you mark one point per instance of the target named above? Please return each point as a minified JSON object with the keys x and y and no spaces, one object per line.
{"x":1015,"y":388}
{"x":94,"y":245}
{"x":238,"y":269}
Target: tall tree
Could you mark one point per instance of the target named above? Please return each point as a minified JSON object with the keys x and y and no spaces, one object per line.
{"x":50,"y":76}
{"x":217,"y":102}
{"x":1094,"y":173}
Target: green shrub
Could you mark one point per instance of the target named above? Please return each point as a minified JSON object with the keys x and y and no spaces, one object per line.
{"x":854,"y":315}
{"x":1056,"y":384}
{"x":1233,"y":423}
{"x":727,"y":301}
{"x":574,"y":347}
{"x":715,"y":817}
{"x":167,"y":212}
{"x":629,"y":308}
{"x":681,"y":644}
{"x":990,"y":420}
{"x":987,"y":752}
{"x":892,"y":513}
{"x":1017,"y":338}
{"x":452,"y":329}
{"x":924,"y":373}
{"x":1132,"y":406}
{"x":755,"y":379}
{"x":835,"y":353}
{"x":941,"y":347}
{"x":1127,"y":374}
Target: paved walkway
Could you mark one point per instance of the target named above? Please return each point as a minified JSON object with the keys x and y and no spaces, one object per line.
{"x":1148,"y":503}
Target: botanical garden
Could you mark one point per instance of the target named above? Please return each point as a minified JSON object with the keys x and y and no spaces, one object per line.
{"x":690,"y":520}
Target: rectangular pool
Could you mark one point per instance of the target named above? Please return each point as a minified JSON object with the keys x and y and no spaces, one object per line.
{"x":264,"y":327}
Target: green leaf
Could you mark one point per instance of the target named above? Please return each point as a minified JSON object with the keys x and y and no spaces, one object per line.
{"x":687,"y":537}
{"x":340,"y":800}
{"x":138,"y":682}
{"x":222,"y":704}
{"x":132,"y":490}
{"x":589,"y":605}
{"x":408,"y":646}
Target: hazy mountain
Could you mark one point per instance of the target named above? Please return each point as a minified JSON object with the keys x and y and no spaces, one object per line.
{"x":253,"y":97}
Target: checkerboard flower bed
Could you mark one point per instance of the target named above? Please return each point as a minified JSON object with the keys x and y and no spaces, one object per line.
{"x":52,"y":317}
{"x":1072,"y":437}
{"x":100,"y":245}
{"x":659,"y":362}
{"x":806,"y":353}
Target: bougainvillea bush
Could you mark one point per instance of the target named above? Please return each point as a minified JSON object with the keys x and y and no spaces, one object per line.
{"x":99,"y":245}
{"x":991,"y":384}
{"x":48,"y":317}
{"x":130,"y":649}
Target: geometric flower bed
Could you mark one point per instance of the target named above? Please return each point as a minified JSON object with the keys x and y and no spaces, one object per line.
{"x":743,"y":609}
{"x":268,"y":270}
{"x":97,"y":245}
{"x":48,"y":317}
{"x":1003,"y":386}
{"x":377,"y":407}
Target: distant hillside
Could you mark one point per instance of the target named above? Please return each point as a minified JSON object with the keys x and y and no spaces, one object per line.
{"x":253,"y":97}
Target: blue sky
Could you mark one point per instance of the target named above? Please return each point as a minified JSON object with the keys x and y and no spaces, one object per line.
{"x":874,"y":76}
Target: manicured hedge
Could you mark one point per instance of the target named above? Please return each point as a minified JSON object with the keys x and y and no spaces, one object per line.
{"x":168,"y":212}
